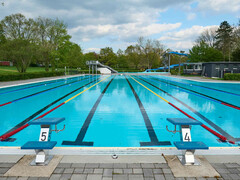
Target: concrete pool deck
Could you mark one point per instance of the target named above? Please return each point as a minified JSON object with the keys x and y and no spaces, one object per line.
{"x":126,"y":167}
{"x":36,"y":80}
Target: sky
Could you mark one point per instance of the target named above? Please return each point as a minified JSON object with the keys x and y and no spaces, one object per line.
{"x":96,"y":24}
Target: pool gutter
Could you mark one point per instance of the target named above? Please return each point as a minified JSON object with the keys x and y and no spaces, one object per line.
{"x":122,"y":151}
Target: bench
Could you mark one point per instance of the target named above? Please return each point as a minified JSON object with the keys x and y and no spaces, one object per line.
{"x":44,"y":144}
{"x":187,"y":145}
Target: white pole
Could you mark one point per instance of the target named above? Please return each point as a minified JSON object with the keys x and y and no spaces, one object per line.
{"x":169,"y":63}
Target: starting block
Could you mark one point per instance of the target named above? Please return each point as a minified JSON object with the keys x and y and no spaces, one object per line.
{"x":186,"y":145}
{"x":44,"y":144}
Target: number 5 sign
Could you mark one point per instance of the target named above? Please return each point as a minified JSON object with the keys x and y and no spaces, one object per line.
{"x":44,"y":134}
{"x":186,"y":134}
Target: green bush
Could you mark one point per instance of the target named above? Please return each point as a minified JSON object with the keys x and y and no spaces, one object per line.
{"x":235,"y":76}
{"x":128,"y":70}
{"x":176,"y":70}
{"x":21,"y":76}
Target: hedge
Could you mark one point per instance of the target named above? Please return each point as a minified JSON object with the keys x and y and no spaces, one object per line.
{"x":128,"y":70}
{"x":21,"y":76}
{"x":229,"y":76}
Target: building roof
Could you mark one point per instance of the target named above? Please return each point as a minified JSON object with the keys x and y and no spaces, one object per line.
{"x":222,"y":62}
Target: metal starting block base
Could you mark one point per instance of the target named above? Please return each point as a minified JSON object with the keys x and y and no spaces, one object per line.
{"x":46,"y":162}
{"x":181,"y":158}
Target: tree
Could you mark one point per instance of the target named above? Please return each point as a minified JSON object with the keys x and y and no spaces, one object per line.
{"x":224,"y":39}
{"x":91,"y":56}
{"x":16,"y":26}
{"x":236,"y":39}
{"x":208,"y":36}
{"x":150,"y":51}
{"x":19,"y":51}
{"x":133,"y":55}
{"x":108,"y":57}
{"x":51,"y":35}
{"x":204,"y":53}
{"x":71,"y":55}
{"x":236,"y":54}
{"x":121,"y":59}
{"x":2,"y":36}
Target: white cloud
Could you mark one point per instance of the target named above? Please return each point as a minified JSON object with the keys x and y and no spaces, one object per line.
{"x":191,"y":16}
{"x":127,"y":32}
{"x":220,"y":6}
{"x":99,"y":18}
{"x":96,"y":50}
{"x":122,"y":21}
{"x":184,"y":39}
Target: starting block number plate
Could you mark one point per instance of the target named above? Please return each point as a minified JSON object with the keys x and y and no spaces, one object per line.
{"x":186,"y":136}
{"x":44,"y":134}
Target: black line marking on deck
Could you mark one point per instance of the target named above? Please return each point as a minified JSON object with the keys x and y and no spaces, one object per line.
{"x":152,"y":135}
{"x":79,"y":140}
{"x":43,"y":109}
{"x":219,"y":129}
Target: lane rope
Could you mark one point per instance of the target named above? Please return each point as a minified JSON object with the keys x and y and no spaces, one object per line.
{"x":5,"y":136}
{"x":43,"y":91}
{"x":220,"y":130}
{"x":38,"y":85}
{"x":204,"y":126}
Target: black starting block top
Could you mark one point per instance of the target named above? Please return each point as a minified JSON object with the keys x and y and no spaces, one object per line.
{"x":190,"y":145}
{"x":46,"y":121}
{"x":39,"y":145}
{"x":184,"y":121}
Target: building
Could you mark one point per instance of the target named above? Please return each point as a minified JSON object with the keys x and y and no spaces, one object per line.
{"x":212,"y":69}
{"x":6,"y":63}
{"x":192,"y":68}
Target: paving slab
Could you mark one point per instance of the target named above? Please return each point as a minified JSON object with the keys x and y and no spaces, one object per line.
{"x":10,"y":158}
{"x":24,"y":169}
{"x":204,"y":170}
{"x":109,"y":159}
{"x":223,"y":158}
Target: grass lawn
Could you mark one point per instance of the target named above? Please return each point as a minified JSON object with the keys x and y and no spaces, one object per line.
{"x":13,"y":69}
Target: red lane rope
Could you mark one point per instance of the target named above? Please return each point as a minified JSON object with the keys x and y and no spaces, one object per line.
{"x":3,"y":137}
{"x":230,"y":105}
{"x":215,"y":133}
{"x":223,"y":138}
{"x":181,"y":111}
{"x":5,"y":104}
{"x":50,"y":111}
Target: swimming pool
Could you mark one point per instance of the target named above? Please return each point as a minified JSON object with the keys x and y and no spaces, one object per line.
{"x":121,"y":110}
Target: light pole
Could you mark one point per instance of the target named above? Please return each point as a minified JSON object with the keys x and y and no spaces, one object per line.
{"x":169,"y":55}
{"x":180,"y":62}
{"x":57,"y":62}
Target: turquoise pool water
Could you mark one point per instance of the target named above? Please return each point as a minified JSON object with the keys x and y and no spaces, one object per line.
{"x":121,"y":111}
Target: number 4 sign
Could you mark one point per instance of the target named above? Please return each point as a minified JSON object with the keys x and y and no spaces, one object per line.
{"x":186,"y":134}
{"x":44,"y":134}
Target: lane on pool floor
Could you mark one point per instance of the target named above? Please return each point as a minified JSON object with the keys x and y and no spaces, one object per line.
{"x":117,"y":121}
{"x":17,"y":112}
{"x":77,"y":111}
{"x":29,"y":93}
{"x":26,"y":89}
{"x":184,"y":85}
{"x":223,"y":116}
{"x":158,"y":111}
{"x":71,"y":111}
